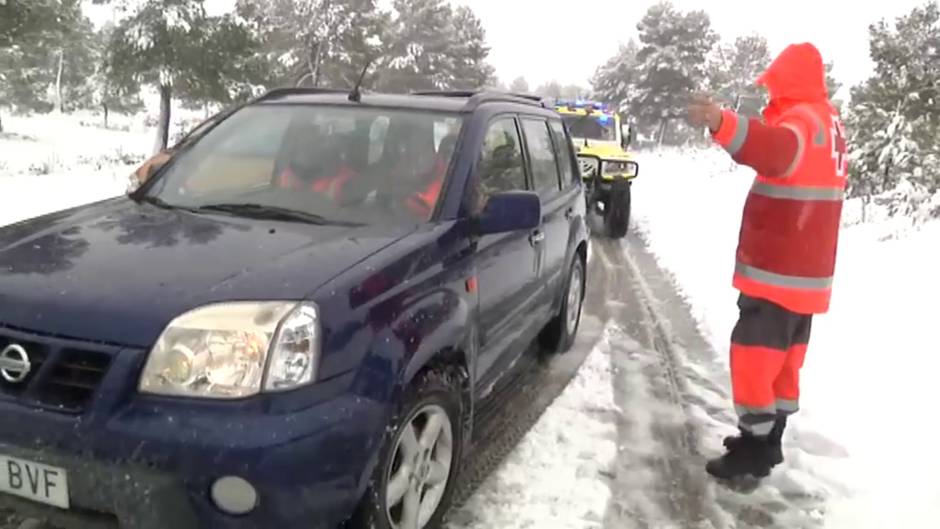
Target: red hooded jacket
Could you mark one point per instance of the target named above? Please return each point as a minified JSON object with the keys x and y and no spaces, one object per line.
{"x":790,"y":225}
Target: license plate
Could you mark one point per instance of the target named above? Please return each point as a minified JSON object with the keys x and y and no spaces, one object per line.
{"x":34,"y":481}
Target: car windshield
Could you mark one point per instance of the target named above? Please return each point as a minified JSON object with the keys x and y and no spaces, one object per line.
{"x":331,"y":164}
{"x":600,"y":127}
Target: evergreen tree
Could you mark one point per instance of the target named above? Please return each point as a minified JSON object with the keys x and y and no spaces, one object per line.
{"x":519,"y":86}
{"x":551,"y":89}
{"x":314,"y":42}
{"x":469,"y":51}
{"x":615,"y":80}
{"x":672,"y":58}
{"x":173,"y":45}
{"x":106,"y":93}
{"x":733,"y":70}
{"x":894,"y":116}
{"x":434,"y":47}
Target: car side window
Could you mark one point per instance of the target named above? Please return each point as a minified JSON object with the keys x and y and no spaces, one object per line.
{"x":566,"y":162}
{"x":500,"y":165}
{"x":541,"y":156}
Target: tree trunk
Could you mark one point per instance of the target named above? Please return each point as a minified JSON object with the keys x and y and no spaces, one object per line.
{"x":104,"y":108}
{"x":58,"y":82}
{"x":662,"y":131}
{"x":163,"y":122}
{"x":1,"y":122}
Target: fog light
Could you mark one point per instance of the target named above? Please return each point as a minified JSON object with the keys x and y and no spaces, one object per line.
{"x":234,"y":495}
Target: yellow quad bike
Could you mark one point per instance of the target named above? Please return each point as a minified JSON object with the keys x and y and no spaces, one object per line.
{"x":608,"y":170}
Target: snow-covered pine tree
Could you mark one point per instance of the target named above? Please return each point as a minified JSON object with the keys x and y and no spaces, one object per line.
{"x":106,"y":93}
{"x":551,"y":89}
{"x":468,"y":51}
{"x":174,"y":46}
{"x":423,"y":53}
{"x":894,"y":121}
{"x":314,"y":42}
{"x":672,"y":57}
{"x":519,"y":85}
{"x":44,"y":56}
{"x":732,"y":70}
{"x":615,"y":80}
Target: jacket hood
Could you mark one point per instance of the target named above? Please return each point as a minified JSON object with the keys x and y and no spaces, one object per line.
{"x":797,"y":75}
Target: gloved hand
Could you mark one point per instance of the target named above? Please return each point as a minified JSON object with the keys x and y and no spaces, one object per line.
{"x":703,"y":111}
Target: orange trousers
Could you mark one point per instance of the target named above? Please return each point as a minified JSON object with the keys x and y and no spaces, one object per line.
{"x":768,"y":346}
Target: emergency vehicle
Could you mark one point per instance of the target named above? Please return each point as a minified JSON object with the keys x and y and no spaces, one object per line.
{"x":601,"y":140}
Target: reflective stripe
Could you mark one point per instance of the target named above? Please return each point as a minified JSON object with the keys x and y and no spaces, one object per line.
{"x":780,"y":280}
{"x":740,"y":134}
{"x":797,"y":192}
{"x":800,"y":149}
{"x":743,"y":410}
{"x":788,"y":406}
{"x":761,"y":428}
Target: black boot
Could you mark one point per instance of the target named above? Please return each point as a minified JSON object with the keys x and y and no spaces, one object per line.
{"x":774,"y":440}
{"x":748,"y":454}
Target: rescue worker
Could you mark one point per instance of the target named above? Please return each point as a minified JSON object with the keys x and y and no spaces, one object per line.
{"x":318,"y":166}
{"x":423,"y":200}
{"x":786,"y":249}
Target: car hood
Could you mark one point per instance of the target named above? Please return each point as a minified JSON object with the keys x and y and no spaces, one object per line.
{"x":118,"y":271}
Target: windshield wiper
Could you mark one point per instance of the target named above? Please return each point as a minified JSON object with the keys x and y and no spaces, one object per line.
{"x":163,"y":204}
{"x":259,"y":211}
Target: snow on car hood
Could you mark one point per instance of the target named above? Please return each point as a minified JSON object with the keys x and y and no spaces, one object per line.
{"x":118,"y":272}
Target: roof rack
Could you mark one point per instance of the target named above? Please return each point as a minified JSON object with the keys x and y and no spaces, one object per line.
{"x":297,"y":90}
{"x":478,"y":97}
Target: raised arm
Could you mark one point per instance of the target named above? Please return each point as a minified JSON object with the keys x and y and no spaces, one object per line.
{"x":771,"y":151}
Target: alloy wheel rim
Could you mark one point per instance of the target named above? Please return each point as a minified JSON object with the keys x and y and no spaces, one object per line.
{"x":420,"y":468}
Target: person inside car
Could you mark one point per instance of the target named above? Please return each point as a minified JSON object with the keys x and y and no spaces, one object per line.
{"x":423,"y":200}
{"x":316,"y":163}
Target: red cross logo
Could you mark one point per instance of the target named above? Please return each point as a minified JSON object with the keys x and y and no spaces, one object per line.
{"x":839,"y":147}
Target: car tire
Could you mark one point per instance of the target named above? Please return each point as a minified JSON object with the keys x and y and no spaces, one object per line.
{"x":558,"y":336}
{"x":617,"y":213}
{"x":436,"y":396}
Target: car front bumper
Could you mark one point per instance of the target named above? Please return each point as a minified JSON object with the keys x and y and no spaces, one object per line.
{"x":155,"y":470}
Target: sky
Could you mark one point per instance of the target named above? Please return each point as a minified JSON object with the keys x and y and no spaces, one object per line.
{"x":566,"y":41}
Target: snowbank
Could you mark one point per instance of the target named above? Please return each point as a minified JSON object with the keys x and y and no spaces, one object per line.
{"x":48,"y":163}
{"x":555,"y":476}
{"x":865,"y":436}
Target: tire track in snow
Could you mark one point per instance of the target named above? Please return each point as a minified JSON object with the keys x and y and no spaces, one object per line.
{"x":658,"y":479}
{"x":689,"y":386}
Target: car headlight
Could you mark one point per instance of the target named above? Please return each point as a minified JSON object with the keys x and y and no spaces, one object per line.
{"x":235,"y":350}
{"x":618,"y":168}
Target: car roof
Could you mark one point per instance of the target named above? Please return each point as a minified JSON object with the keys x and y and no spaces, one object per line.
{"x":445,"y":101}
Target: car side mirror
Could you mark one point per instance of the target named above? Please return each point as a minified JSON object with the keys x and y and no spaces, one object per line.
{"x":510,"y":211}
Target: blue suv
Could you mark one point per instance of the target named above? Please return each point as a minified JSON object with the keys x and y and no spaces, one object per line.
{"x":290,"y":324}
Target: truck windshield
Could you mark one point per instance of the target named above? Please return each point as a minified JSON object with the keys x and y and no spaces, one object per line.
{"x":331,"y":163}
{"x":600,"y":127}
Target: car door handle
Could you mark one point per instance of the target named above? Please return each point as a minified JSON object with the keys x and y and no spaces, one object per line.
{"x":537,"y":238}
{"x":569,"y":213}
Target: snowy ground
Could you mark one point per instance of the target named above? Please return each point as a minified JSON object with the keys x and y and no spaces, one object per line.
{"x":865,"y":437}
{"x":623,"y":446}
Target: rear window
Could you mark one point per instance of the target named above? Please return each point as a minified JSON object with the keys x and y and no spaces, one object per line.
{"x":349,"y":164}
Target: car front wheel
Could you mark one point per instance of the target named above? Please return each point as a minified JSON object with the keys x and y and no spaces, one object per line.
{"x":558,"y":336}
{"x":413,"y":483}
